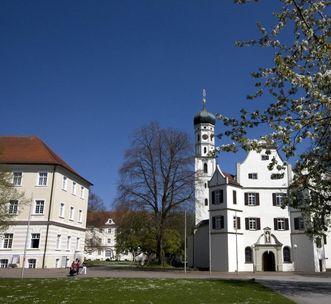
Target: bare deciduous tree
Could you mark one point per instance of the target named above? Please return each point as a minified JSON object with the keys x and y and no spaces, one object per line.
{"x":157,"y":175}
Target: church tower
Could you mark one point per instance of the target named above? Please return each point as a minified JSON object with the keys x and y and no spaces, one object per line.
{"x":205,"y":162}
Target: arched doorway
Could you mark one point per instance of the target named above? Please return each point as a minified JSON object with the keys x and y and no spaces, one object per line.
{"x":268,"y":261}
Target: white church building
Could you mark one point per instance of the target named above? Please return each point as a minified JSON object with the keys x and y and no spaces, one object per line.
{"x":240,"y":224}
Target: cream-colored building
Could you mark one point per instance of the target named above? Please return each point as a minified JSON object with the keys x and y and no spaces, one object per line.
{"x":50,"y":221}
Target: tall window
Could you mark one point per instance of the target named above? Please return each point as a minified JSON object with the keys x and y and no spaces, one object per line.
{"x":248,"y":255}
{"x":42,"y":179}
{"x":39,"y":209}
{"x":8,"y":240}
{"x":281,"y":223}
{"x":74,"y":188}
{"x":80,"y":216}
{"x":205,"y":168}
{"x":278,"y":199}
{"x":71,"y":214}
{"x":252,"y":223}
{"x":64,"y":183}
{"x":77,"y":243}
{"x":108,"y":241}
{"x":299,"y":223}
{"x":13,"y":207}
{"x":287,"y":254}
{"x":236,"y":222}
{"x":109,"y":230}
{"x":58,"y":241}
{"x":17,"y":178}
{"x":218,"y":222}
{"x":61,"y":212}
{"x":82,"y":192}
{"x":217,"y":197}
{"x":68,"y":242}
{"x":35,"y":239}
{"x":234,"y":197}
{"x":252,"y":199}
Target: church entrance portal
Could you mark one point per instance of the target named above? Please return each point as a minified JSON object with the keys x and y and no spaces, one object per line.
{"x":268,"y":261}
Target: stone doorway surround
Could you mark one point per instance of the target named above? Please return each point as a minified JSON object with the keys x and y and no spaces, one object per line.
{"x":267,"y":242}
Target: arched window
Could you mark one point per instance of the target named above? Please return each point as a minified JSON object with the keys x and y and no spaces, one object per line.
{"x":205,"y":150}
{"x":248,"y":255}
{"x":205,"y":168}
{"x":206,"y":202}
{"x":287,"y":254}
{"x":205,"y":185}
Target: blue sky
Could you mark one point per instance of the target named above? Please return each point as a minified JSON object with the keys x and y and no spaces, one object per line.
{"x":83,"y":75}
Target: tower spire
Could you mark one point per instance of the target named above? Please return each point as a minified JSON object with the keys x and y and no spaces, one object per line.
{"x":204,"y":100}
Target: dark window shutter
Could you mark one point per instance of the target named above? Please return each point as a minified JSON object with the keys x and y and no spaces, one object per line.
{"x":257,"y":197}
{"x":234,"y":196}
{"x":213,"y":197}
{"x":286,"y":224}
{"x":275,"y":224}
{"x":274,"y":199}
{"x":238,"y":222}
{"x":296,"y":223}
{"x":246,"y":198}
{"x":247,"y":223}
{"x":213,"y":223}
{"x":222,"y":222}
{"x":258,"y":223}
{"x":221,"y":196}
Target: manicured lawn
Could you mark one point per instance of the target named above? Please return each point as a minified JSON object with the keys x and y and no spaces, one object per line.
{"x":148,"y":291}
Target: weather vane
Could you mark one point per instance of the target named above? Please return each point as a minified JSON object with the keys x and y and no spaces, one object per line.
{"x":204,"y":94}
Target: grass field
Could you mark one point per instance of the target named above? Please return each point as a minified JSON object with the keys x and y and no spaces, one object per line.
{"x":122,"y":291}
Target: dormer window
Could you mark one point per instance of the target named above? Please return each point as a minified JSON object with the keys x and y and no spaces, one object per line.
{"x":110,"y":221}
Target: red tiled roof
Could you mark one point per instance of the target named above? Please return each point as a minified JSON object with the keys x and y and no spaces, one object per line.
{"x":99,"y":218}
{"x":232,"y":179}
{"x":30,"y":150}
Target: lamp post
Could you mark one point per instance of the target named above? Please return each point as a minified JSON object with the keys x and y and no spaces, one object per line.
{"x":185,"y":253}
{"x":236,"y":241}
{"x":295,"y":246}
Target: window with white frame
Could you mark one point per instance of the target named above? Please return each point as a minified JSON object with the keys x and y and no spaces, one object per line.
{"x":58,"y":241}
{"x":252,"y":175}
{"x":3,"y":263}
{"x":80,"y":216}
{"x":61,"y":211}
{"x":17,"y":178}
{"x":32,"y":263}
{"x":39,"y":208}
{"x":74,"y":188}
{"x":109,"y":241}
{"x":278,"y":199}
{"x":42,"y":179}
{"x":109,"y":230}
{"x":77,"y":243}
{"x":35,"y":240}
{"x":8,"y":240}
{"x":251,"y":199}
{"x":64,"y":183}
{"x":82,"y":192}
{"x":252,"y":223}
{"x":68,"y":242}
{"x":281,"y":223}
{"x":71,"y":213}
{"x":13,"y":207}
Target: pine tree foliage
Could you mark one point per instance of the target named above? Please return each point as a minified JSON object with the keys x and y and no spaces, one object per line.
{"x":299,"y":116}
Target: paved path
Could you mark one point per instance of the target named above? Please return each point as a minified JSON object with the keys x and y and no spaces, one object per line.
{"x":303,"y":288}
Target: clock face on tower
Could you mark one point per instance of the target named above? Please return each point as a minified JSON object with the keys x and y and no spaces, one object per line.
{"x":205,"y":136}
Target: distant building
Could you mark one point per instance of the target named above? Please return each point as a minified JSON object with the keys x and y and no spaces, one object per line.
{"x":100,"y":242}
{"x":240,"y":222}
{"x":51,"y":224}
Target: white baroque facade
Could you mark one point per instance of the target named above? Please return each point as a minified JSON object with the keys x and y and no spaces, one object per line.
{"x":50,"y":220}
{"x":244,"y":226}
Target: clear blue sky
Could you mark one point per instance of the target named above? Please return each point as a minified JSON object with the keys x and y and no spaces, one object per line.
{"x":82,"y":75}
